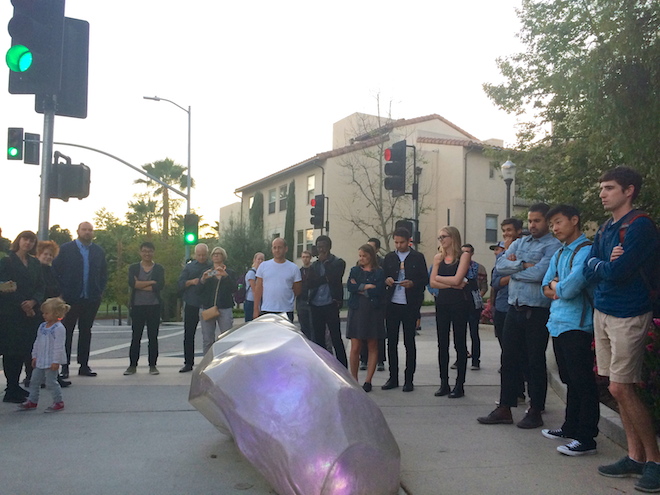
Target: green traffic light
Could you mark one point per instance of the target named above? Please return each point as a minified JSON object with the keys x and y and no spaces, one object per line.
{"x":19,"y":58}
{"x":190,"y":238}
{"x":12,"y":151}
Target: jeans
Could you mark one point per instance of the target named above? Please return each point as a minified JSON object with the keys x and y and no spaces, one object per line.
{"x":48,"y":376}
{"x":224,"y":321}
{"x":248,"y":308}
{"x":524,"y":341}
{"x":575,"y":361}
{"x":82,"y":313}
{"x":190,"y":321}
{"x":328,"y":315}
{"x":305,"y":318}
{"x":456,"y":316}
{"x":149,"y":316}
{"x":396,"y":315}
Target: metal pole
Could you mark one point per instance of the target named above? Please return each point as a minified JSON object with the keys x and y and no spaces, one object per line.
{"x":508,"y":197}
{"x":46,"y":168}
{"x":189,"y":181}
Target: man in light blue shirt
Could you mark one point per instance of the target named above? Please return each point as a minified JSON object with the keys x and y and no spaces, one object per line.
{"x":525,"y":336}
{"x":572,"y":330}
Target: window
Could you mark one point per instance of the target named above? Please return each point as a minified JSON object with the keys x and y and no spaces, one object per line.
{"x":304,"y":241}
{"x":283,"y":198}
{"x":271,"y":201}
{"x":491,"y":229}
{"x":250,"y":201}
{"x":311,"y":187}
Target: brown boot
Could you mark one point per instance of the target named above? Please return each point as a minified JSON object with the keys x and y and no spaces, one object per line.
{"x":500,"y":416}
{"x":531,"y":420}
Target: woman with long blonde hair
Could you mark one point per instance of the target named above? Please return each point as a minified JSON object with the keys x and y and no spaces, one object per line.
{"x":450,"y":267}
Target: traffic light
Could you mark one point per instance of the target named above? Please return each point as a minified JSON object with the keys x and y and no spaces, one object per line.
{"x":190,"y":228}
{"x":69,"y":181}
{"x":318,"y":211}
{"x":35,"y":56}
{"x":15,"y":143}
{"x":395,"y":169}
{"x":32,"y":142}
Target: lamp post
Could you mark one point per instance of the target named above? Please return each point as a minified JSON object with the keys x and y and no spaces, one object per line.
{"x":189,"y":178}
{"x":508,"y":174}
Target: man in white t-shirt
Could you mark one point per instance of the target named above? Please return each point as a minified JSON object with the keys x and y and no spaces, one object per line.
{"x":278,"y":283}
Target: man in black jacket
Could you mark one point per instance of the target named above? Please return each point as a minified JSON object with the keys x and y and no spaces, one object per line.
{"x":326,"y":295}
{"x":82,"y":273}
{"x":406,"y":277}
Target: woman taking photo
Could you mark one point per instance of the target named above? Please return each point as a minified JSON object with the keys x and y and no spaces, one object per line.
{"x":366,"y":284}
{"x":450,"y":266}
{"x":21,"y":294}
{"x":218,"y":285}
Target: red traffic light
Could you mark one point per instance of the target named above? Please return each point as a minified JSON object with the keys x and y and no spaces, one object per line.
{"x":312,"y":202}
{"x":388,"y":154}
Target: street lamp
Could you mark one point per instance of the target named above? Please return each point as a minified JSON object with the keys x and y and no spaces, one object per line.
{"x":508,"y":174}
{"x":189,"y":179}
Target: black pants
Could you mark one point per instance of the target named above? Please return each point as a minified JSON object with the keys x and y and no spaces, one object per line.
{"x":498,"y":323}
{"x":149,"y":316}
{"x":575,"y":361}
{"x":83,"y":313}
{"x":474,"y":315}
{"x":524,"y":341}
{"x":396,"y":315}
{"x":456,"y":316}
{"x":12,"y":365}
{"x":328,"y":315}
{"x":190,"y":321}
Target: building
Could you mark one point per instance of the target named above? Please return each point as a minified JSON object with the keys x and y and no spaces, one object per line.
{"x":458,"y":186}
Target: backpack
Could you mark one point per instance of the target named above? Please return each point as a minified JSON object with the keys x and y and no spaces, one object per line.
{"x":652,"y":282}
{"x":239,"y":295}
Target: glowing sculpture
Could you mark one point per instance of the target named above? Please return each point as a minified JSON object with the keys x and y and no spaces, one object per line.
{"x":295,"y":412}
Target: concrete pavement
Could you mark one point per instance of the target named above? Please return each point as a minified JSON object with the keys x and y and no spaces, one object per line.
{"x":138,"y":434}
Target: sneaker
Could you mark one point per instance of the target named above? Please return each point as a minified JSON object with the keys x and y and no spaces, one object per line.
{"x":130,"y":370}
{"x":650,"y":480}
{"x":623,"y":468}
{"x":557,"y":434}
{"x":380,"y":367}
{"x":475,"y":367}
{"x":455,"y":365}
{"x":57,"y":406}
{"x":153,"y":370}
{"x":363,"y":365}
{"x":576,"y":448}
{"x":500,"y":416}
{"x":27,"y":406}
{"x":531,"y":420}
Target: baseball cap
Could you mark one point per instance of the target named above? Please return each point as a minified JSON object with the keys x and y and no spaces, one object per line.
{"x":498,"y":245}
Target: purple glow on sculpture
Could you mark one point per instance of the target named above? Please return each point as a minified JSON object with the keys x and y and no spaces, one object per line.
{"x":295,"y":412}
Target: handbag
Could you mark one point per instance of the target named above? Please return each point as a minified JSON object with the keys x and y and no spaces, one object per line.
{"x":213,"y":311}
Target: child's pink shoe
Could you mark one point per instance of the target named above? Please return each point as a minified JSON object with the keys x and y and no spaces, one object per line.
{"x":27,"y":406}
{"x":57,"y":406}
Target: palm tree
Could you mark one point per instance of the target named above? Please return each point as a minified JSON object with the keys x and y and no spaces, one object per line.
{"x":170,"y":173}
{"x":142,"y":214}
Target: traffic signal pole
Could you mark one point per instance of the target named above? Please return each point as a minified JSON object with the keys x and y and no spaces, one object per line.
{"x":46,"y":168}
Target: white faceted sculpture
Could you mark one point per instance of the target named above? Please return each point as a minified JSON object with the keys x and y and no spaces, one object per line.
{"x":295,"y":412}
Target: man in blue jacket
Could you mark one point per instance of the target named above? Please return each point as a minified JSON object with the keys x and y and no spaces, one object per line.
{"x":82,"y":273}
{"x":571,"y":328}
{"x":621,"y":263}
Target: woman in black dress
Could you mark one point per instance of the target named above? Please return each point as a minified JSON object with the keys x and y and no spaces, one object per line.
{"x":366,"y":284}
{"x":19,"y":302}
{"x":450,"y":267}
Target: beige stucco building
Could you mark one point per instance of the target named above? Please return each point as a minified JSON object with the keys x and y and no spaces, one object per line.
{"x":458,"y":186}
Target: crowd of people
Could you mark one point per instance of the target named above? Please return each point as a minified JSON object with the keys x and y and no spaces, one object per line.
{"x":552,"y":282}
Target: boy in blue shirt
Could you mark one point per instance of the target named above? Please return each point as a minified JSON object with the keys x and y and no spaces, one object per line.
{"x":571,"y":328}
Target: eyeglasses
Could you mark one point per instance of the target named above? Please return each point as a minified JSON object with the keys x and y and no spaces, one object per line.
{"x":443,"y":237}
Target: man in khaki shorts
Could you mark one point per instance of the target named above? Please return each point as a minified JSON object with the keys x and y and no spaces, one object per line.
{"x":620,"y":263}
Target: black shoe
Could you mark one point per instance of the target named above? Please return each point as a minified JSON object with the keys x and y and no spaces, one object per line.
{"x":363,"y":365}
{"x":531,"y":420}
{"x":366,"y":387}
{"x":186,"y":368}
{"x":390,"y":384}
{"x":443,"y":390}
{"x":457,"y":393}
{"x":380,"y":367}
{"x":408,"y":387}
{"x":63,"y":383}
{"x":65,"y":371}
{"x":86,"y":371}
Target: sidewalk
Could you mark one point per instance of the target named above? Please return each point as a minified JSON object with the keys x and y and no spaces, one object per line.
{"x":139,"y":435}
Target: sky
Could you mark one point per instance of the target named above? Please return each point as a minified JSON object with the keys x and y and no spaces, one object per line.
{"x":265,"y":82}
